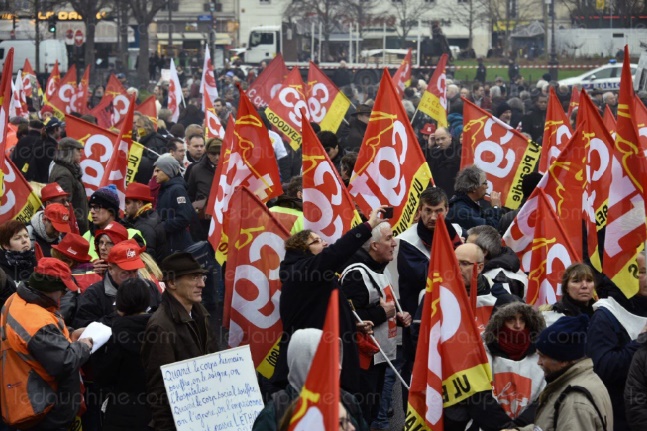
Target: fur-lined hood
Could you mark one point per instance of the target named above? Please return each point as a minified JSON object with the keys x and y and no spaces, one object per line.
{"x":534,"y":321}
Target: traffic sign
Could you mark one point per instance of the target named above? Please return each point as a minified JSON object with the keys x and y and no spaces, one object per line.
{"x":69,"y":34}
{"x":204,"y":18}
{"x":79,"y":38}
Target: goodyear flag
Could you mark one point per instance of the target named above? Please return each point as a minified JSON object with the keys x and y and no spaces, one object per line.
{"x":268,"y":83}
{"x":545,"y":248}
{"x":208,"y":87}
{"x":609,"y":121}
{"x":52,"y":82}
{"x":504,"y":154}
{"x":326,"y":103}
{"x":450,"y":363}
{"x":626,"y":231}
{"x":285,"y":110}
{"x":174,"y":93}
{"x":253,"y":286}
{"x":250,"y":163}
{"x":64,"y":97}
{"x":18,"y":202}
{"x":327,"y":205}
{"x":117,"y":167}
{"x":213,"y":127}
{"x":98,"y":148}
{"x":390,"y":169}
{"x":557,"y":132}
{"x":434,"y":99}
{"x":6,"y":96}
{"x":318,"y":406}
{"x":599,"y":153}
{"x":402,"y":76}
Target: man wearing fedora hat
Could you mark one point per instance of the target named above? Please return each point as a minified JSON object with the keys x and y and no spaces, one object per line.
{"x":178,"y":330}
{"x":358,"y":127}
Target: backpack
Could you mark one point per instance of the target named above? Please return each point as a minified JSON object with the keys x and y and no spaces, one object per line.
{"x":17,"y":379}
{"x":570,"y":389}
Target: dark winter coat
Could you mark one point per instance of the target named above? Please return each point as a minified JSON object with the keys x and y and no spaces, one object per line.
{"x":171,"y":336}
{"x":200,"y":179}
{"x":468,"y":214}
{"x":444,"y":164}
{"x":69,"y":178}
{"x":636,"y":387}
{"x":509,"y":261}
{"x":177,"y":213}
{"x":355,"y":135}
{"x":22,"y":152}
{"x":17,"y":265}
{"x":308,"y":281}
{"x":118,"y":366}
{"x":153,"y":142}
{"x":41,"y":156}
{"x":152,"y":230}
{"x":533,"y":124}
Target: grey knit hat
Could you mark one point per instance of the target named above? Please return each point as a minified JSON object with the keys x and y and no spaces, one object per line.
{"x":167,"y":164}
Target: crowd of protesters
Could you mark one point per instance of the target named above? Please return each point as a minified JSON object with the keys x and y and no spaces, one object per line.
{"x":139,"y":270}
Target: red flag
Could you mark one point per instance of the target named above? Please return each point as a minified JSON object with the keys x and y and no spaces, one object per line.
{"x":117,"y":166}
{"x":599,"y":155}
{"x":575,"y":101}
{"x":327,"y":205}
{"x":557,"y":132}
{"x":268,"y":83}
{"x":83,"y":93}
{"x":450,"y":363}
{"x":641,"y":122}
{"x":208,"y":86}
{"x":504,"y":154}
{"x":285,"y":110}
{"x":29,"y":81}
{"x":18,"y":107}
{"x":626,"y":231}
{"x":52,"y":82}
{"x":223,"y":161}
{"x":251,"y":163}
{"x":114,"y":87}
{"x":327,"y":105}
{"x":116,"y":93}
{"x":390,"y":169}
{"x":318,"y":406}
{"x":6,"y":95}
{"x":103,"y":112}
{"x":253,"y":286}
{"x":63,"y":98}
{"x":98,"y":148}
{"x":434,"y":99}
{"x":402,"y":76}
{"x":213,"y":128}
{"x":609,"y":121}
{"x":18,"y":202}
{"x":147,"y":108}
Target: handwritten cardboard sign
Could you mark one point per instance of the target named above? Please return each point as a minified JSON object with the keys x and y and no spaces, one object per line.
{"x":218,"y":391}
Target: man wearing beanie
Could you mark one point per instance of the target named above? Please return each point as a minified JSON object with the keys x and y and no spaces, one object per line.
{"x":173,"y":203}
{"x":575,"y":399}
{"x":35,"y":334}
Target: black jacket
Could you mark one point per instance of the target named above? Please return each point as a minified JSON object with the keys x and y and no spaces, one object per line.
{"x":200,"y":179}
{"x":152,"y":229}
{"x":355,"y":135}
{"x":444,"y":165}
{"x":533,"y":124}
{"x":118,"y":366}
{"x":468,"y":214}
{"x":18,"y":266}
{"x":307,"y":282}
{"x":69,"y":178}
{"x":177,"y":213}
{"x":153,"y":142}
{"x":636,"y":387}
{"x":22,"y":152}
{"x":41,"y":156}
{"x":509,"y":261}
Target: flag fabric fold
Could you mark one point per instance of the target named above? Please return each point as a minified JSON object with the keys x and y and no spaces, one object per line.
{"x":434,"y":99}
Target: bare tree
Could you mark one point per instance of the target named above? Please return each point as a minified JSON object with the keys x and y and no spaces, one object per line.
{"x":144,"y":12}
{"x":88,"y":9}
{"x":407,"y":13}
{"x":471,"y":14}
{"x":510,"y":13}
{"x":327,"y":12}
{"x":364,"y":12}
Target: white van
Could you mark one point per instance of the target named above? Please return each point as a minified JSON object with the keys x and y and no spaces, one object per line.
{"x":50,"y":51}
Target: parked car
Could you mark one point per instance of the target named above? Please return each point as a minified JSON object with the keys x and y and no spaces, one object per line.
{"x":606,"y":77}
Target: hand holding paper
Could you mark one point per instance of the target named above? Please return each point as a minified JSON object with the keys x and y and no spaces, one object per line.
{"x":99,"y":333}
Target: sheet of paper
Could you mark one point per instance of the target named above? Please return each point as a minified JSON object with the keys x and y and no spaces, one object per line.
{"x":99,"y":333}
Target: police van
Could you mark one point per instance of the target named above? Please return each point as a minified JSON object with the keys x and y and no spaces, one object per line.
{"x":606,"y":78}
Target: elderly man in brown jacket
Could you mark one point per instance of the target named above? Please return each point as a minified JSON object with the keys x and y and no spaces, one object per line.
{"x":178,"y":330}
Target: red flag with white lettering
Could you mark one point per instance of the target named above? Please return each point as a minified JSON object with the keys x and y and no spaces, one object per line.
{"x":402,"y":76}
{"x":147,"y":108}
{"x":575,"y":100}
{"x":557,"y":132}
{"x":208,"y":87}
{"x":18,"y":202}
{"x":103,"y":112}
{"x":327,"y":105}
{"x":63,"y":98}
{"x":434,"y":99}
{"x":18,"y":107}
{"x":450,"y":353}
{"x":390,"y":169}
{"x":174,"y":93}
{"x":609,"y":121}
{"x":267,"y":85}
{"x":285,"y":110}
{"x":212,"y":126}
{"x":223,"y":160}
{"x":117,"y":167}
{"x":251,"y":163}
{"x":504,"y":154}
{"x":252,"y":283}
{"x":327,"y":205}
{"x":98,"y":148}
{"x":626,"y":231}
{"x":117,"y":94}
{"x":52,"y":82}
{"x":6,"y":96}
{"x":317,"y":408}
{"x":29,"y":81}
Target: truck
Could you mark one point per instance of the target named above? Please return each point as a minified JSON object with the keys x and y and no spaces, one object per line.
{"x":50,"y":51}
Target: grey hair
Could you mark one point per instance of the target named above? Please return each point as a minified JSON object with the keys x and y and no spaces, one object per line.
{"x":376,"y":234}
{"x":452,"y":90}
{"x":606,"y":95}
{"x":495,"y":91}
{"x":488,"y":239}
{"x":524,"y":95}
{"x":469,"y":179}
{"x":516,"y":103}
{"x":65,"y":155}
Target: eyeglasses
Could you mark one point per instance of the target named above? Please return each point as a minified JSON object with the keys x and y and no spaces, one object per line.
{"x":197,"y":277}
{"x":95,"y":207}
{"x":314,"y":241}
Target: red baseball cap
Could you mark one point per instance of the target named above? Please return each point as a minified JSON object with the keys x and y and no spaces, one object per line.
{"x":50,"y":267}
{"x":126,"y":255}
{"x":59,"y":216}
{"x":75,"y":247}
{"x":115,"y":231}
{"x":51,"y":191}
{"x":139,"y":192}
{"x":428,"y":129}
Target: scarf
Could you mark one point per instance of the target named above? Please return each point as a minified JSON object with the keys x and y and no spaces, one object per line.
{"x":514,"y":343}
{"x":142,"y":210}
{"x":23,"y":263}
{"x":72,"y":167}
